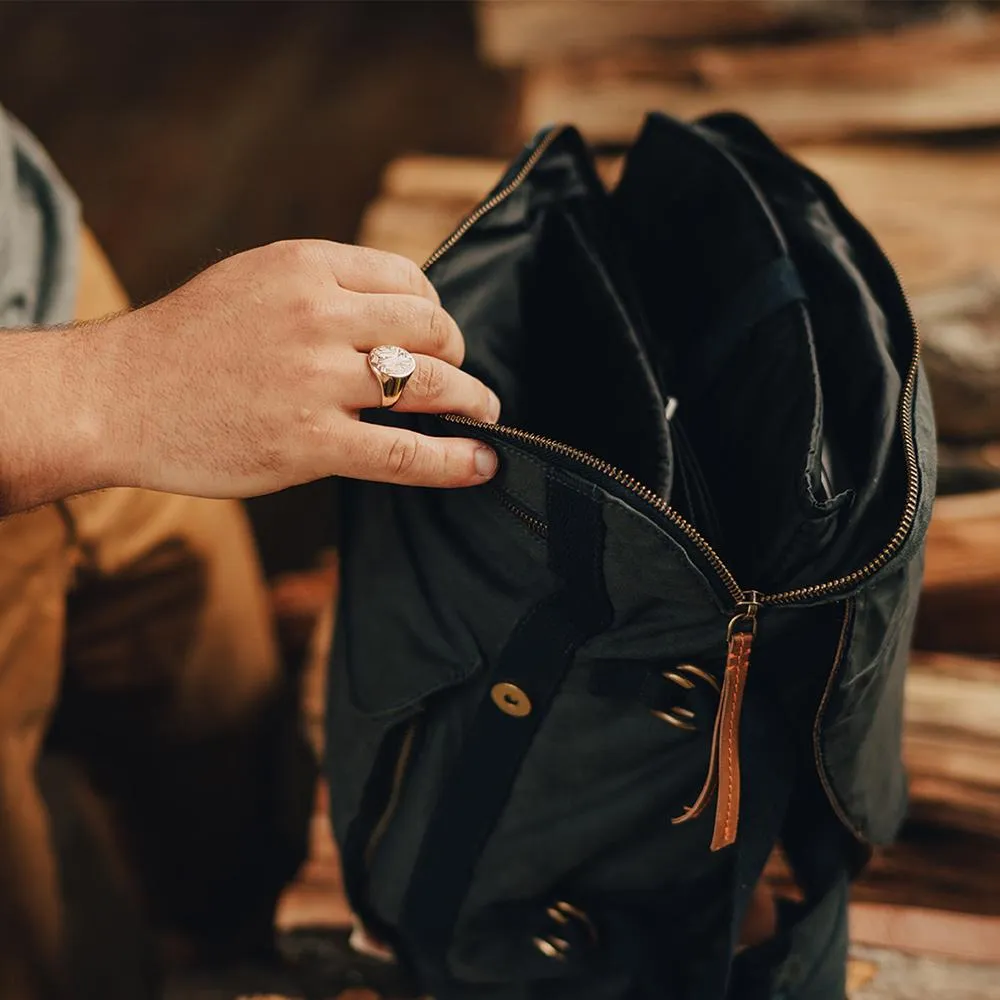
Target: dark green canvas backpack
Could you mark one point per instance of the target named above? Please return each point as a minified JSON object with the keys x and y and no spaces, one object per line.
{"x":573,"y":711}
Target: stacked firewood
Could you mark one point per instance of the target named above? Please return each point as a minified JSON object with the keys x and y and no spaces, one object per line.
{"x":806,"y":70}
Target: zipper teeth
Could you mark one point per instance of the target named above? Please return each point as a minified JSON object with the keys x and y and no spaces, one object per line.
{"x":399,"y":772}
{"x":536,"y":524}
{"x":502,"y":195}
{"x":622,"y":477}
{"x":909,"y":506}
{"x":648,"y":496}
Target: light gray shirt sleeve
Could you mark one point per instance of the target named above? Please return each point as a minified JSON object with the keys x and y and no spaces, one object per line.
{"x":39,"y":233}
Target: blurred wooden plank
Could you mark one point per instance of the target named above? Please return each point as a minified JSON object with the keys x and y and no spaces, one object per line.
{"x":860,"y":972}
{"x":895,"y":974}
{"x":961,"y":616}
{"x":964,"y":540}
{"x":528,"y":32}
{"x":930,"y":867}
{"x":919,"y":931}
{"x":968,"y":467}
{"x":960,"y":328}
{"x":937,"y":868}
{"x":317,"y":897}
{"x":463,"y":179}
{"x":423,"y":199}
{"x":925,"y":78}
{"x":951,"y":742}
{"x":413,"y":228}
{"x":961,"y":596}
{"x":935,"y":211}
{"x":948,"y":693}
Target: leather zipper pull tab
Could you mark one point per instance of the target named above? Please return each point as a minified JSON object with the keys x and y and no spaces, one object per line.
{"x":739,"y":642}
{"x":724,"y":762}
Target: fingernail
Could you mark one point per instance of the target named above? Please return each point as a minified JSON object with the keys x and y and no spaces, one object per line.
{"x":485,"y":462}
{"x":494,"y":407}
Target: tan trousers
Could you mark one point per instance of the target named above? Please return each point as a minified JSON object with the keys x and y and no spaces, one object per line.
{"x":135,"y":643}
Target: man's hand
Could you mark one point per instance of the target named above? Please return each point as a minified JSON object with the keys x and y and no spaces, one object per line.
{"x":247,"y":379}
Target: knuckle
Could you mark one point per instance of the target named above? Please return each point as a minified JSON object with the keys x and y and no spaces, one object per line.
{"x":400,"y":271}
{"x":306,"y":308}
{"x":432,"y":379}
{"x":402,"y":456}
{"x":363,"y":260}
{"x":313,"y":368}
{"x":486,"y":400}
{"x":315,"y":257}
{"x":290,"y":253}
{"x":438,"y":330}
{"x":408,"y":314}
{"x":412,"y":277}
{"x":316,"y":309}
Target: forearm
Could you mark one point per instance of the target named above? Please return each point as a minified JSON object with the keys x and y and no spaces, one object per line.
{"x":53,"y":442}
{"x":53,"y":439}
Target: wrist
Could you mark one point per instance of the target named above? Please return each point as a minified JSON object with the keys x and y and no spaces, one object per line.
{"x":53,"y":421}
{"x":88,"y":448}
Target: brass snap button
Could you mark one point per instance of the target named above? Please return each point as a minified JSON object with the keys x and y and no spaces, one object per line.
{"x":510,"y":699}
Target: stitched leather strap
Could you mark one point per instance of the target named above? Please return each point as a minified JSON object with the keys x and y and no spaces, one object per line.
{"x":724,"y":762}
{"x":727,"y":810}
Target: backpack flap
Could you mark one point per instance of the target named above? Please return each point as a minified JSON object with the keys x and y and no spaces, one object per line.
{"x":866,"y":348}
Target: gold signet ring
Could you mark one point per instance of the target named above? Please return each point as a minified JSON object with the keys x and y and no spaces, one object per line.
{"x":392,"y":366}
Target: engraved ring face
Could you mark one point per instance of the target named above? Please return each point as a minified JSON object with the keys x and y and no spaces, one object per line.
{"x":392,"y":366}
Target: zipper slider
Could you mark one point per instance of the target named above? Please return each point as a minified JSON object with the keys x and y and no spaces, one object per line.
{"x":724,"y":763}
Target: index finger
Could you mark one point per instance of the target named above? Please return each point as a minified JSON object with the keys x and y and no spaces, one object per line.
{"x":397,"y":455}
{"x":362,"y":269}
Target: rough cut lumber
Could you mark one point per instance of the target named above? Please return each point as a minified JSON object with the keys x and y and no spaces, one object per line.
{"x":423,"y":198}
{"x":960,"y":328}
{"x":963,"y":937}
{"x":968,"y":468}
{"x":523,"y":32}
{"x":935,"y":211}
{"x":930,"y":867}
{"x":964,"y":541}
{"x":960,"y":605}
{"x":519,"y":32}
{"x":898,"y":975}
{"x":925,"y":78}
{"x":951,"y":742}
{"x":463,"y":179}
{"x":411,"y":227}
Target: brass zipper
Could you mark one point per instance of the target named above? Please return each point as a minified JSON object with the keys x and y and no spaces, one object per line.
{"x":619,"y":476}
{"x":645,"y":494}
{"x":739,"y":594}
{"x":399,"y":772}
{"x":495,"y":199}
{"x":534,"y":523}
